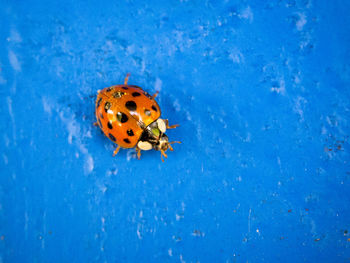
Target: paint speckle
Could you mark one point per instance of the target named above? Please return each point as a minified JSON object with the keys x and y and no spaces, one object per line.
{"x":300,"y":104}
{"x":247,"y":14}
{"x":46,"y":105}
{"x":138,"y":231}
{"x":197,"y":233}
{"x":158,"y":84}
{"x":176,"y":105}
{"x":14,"y":61}
{"x":14,"y":37}
{"x":236,"y":56}
{"x":301,"y":21}
{"x":89,"y":164}
{"x":279,"y":87}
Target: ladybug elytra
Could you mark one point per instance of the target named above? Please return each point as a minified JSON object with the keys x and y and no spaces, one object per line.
{"x":130,"y":117}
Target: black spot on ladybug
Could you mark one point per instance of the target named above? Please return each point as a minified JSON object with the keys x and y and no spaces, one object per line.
{"x":109,"y":125}
{"x":112,"y":137}
{"x":122,"y":117}
{"x":125,"y":88}
{"x":109,"y":89}
{"x":99,"y":102}
{"x":136,"y":94}
{"x":99,"y":123}
{"x":131,"y":105}
{"x":154,"y":108}
{"x":126,"y":140}
{"x":118,"y":94}
{"x":101,"y":116}
{"x":107,"y":106}
{"x":147,"y":112}
{"x":130,"y":132}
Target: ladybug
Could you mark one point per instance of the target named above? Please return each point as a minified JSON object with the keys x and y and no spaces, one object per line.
{"x":130,"y":117}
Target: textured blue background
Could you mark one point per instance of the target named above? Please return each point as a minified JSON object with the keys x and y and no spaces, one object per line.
{"x":261,"y":91}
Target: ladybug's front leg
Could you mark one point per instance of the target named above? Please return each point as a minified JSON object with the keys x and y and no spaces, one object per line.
{"x":116,"y":150}
{"x":138,"y":151}
{"x":172,"y":126}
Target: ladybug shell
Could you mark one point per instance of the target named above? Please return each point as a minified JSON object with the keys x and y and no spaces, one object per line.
{"x":123,"y":112}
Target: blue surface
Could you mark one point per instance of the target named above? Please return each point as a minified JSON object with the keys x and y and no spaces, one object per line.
{"x":261,"y":91}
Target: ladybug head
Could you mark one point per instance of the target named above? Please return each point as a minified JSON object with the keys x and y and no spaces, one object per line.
{"x":164,"y":145}
{"x":154,"y":137}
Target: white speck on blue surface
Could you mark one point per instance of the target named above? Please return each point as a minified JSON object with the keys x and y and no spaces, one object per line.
{"x":16,"y":65}
{"x":158,"y":84}
{"x":247,"y":13}
{"x":301,"y":21}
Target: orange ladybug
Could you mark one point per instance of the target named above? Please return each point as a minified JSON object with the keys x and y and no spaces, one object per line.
{"x":129,"y":116}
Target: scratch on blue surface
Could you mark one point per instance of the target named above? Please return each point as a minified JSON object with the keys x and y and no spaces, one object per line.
{"x":74,"y":130}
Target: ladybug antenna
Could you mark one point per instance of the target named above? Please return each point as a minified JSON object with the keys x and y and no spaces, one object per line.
{"x":174,"y":142}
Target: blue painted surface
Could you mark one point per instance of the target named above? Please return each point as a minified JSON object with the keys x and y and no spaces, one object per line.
{"x":261,"y":91}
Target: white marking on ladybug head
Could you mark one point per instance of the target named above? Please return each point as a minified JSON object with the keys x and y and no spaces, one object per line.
{"x":161,"y":125}
{"x":163,"y":143}
{"x":110,"y":111}
{"x":146,"y":146}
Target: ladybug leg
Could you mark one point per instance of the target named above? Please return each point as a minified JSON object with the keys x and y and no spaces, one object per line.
{"x":172,"y":126}
{"x":138,"y":151}
{"x":162,"y":153}
{"x":126,"y":79}
{"x":155,"y":95}
{"x":116,"y":150}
